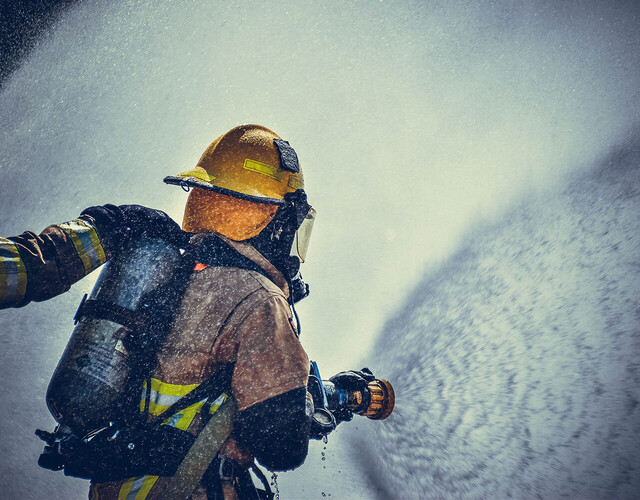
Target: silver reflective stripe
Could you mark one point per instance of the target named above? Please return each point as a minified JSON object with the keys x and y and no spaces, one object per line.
{"x":13,"y":274}
{"x":86,"y":242}
{"x":135,"y":487}
{"x":140,"y":487}
{"x":161,"y":399}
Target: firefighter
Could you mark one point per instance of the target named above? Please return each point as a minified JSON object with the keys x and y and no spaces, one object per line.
{"x":247,"y":190}
{"x":246,"y":195}
{"x":246,"y":228}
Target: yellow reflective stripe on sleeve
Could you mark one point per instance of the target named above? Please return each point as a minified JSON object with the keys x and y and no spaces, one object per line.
{"x":157,"y":409}
{"x":163,"y":395}
{"x":170,"y":389}
{"x":154,"y":409}
{"x":13,"y":274}
{"x":137,"y":488}
{"x":125,"y":489}
{"x":86,"y":242}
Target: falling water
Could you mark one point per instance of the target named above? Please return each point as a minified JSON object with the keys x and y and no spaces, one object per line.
{"x":516,"y":363}
{"x":413,"y":121}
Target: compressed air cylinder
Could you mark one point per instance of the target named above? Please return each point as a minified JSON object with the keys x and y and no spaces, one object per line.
{"x":94,"y":370}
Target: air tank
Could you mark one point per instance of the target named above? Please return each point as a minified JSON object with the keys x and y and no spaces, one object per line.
{"x":92,"y":375}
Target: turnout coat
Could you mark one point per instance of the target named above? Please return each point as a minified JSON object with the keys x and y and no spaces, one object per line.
{"x":236,"y":317}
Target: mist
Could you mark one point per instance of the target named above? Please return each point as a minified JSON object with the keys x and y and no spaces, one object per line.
{"x":413,"y":121}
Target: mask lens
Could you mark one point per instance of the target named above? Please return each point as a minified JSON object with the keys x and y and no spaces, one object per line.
{"x":303,"y":236}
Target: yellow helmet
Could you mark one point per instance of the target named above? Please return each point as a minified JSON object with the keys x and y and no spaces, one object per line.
{"x":249,"y":162}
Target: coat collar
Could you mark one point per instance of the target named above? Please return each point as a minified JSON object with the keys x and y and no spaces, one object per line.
{"x":247,"y":250}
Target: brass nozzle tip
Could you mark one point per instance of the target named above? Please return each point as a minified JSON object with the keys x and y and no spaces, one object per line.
{"x":383,"y":400}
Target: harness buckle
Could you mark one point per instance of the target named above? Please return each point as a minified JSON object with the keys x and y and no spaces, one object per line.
{"x":226,"y":471}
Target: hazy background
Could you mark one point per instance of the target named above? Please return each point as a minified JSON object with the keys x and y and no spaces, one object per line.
{"x":413,"y":122}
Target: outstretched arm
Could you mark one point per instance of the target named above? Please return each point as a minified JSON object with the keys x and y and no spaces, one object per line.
{"x":40,"y":266}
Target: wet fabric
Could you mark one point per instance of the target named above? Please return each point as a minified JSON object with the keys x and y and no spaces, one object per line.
{"x":228,"y":315}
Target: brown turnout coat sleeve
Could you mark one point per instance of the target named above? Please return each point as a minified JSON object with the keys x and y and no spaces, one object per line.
{"x":40,"y":266}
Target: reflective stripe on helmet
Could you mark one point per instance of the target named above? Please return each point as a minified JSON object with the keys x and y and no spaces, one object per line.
{"x":264,"y":169}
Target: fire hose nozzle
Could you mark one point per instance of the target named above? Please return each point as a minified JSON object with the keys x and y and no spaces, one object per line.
{"x":375,"y":402}
{"x":382,"y":400}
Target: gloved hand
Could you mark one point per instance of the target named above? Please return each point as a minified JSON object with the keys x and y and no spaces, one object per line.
{"x":117,"y":224}
{"x":350,"y":380}
{"x":353,"y":380}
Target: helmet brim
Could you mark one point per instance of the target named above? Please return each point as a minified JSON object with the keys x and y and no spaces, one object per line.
{"x":195,"y":182}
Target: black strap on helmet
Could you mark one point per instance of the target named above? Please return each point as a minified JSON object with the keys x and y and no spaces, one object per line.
{"x":288,"y":156}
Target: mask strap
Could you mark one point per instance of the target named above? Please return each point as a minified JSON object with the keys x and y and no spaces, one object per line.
{"x":293,"y":308}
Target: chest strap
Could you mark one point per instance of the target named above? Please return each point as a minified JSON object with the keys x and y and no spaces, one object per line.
{"x":201,"y":454}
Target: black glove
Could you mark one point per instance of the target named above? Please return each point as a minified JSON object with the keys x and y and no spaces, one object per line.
{"x":351,"y":380}
{"x":117,"y":224}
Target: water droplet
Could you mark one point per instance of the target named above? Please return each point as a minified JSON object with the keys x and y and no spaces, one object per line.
{"x":274,"y":478}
